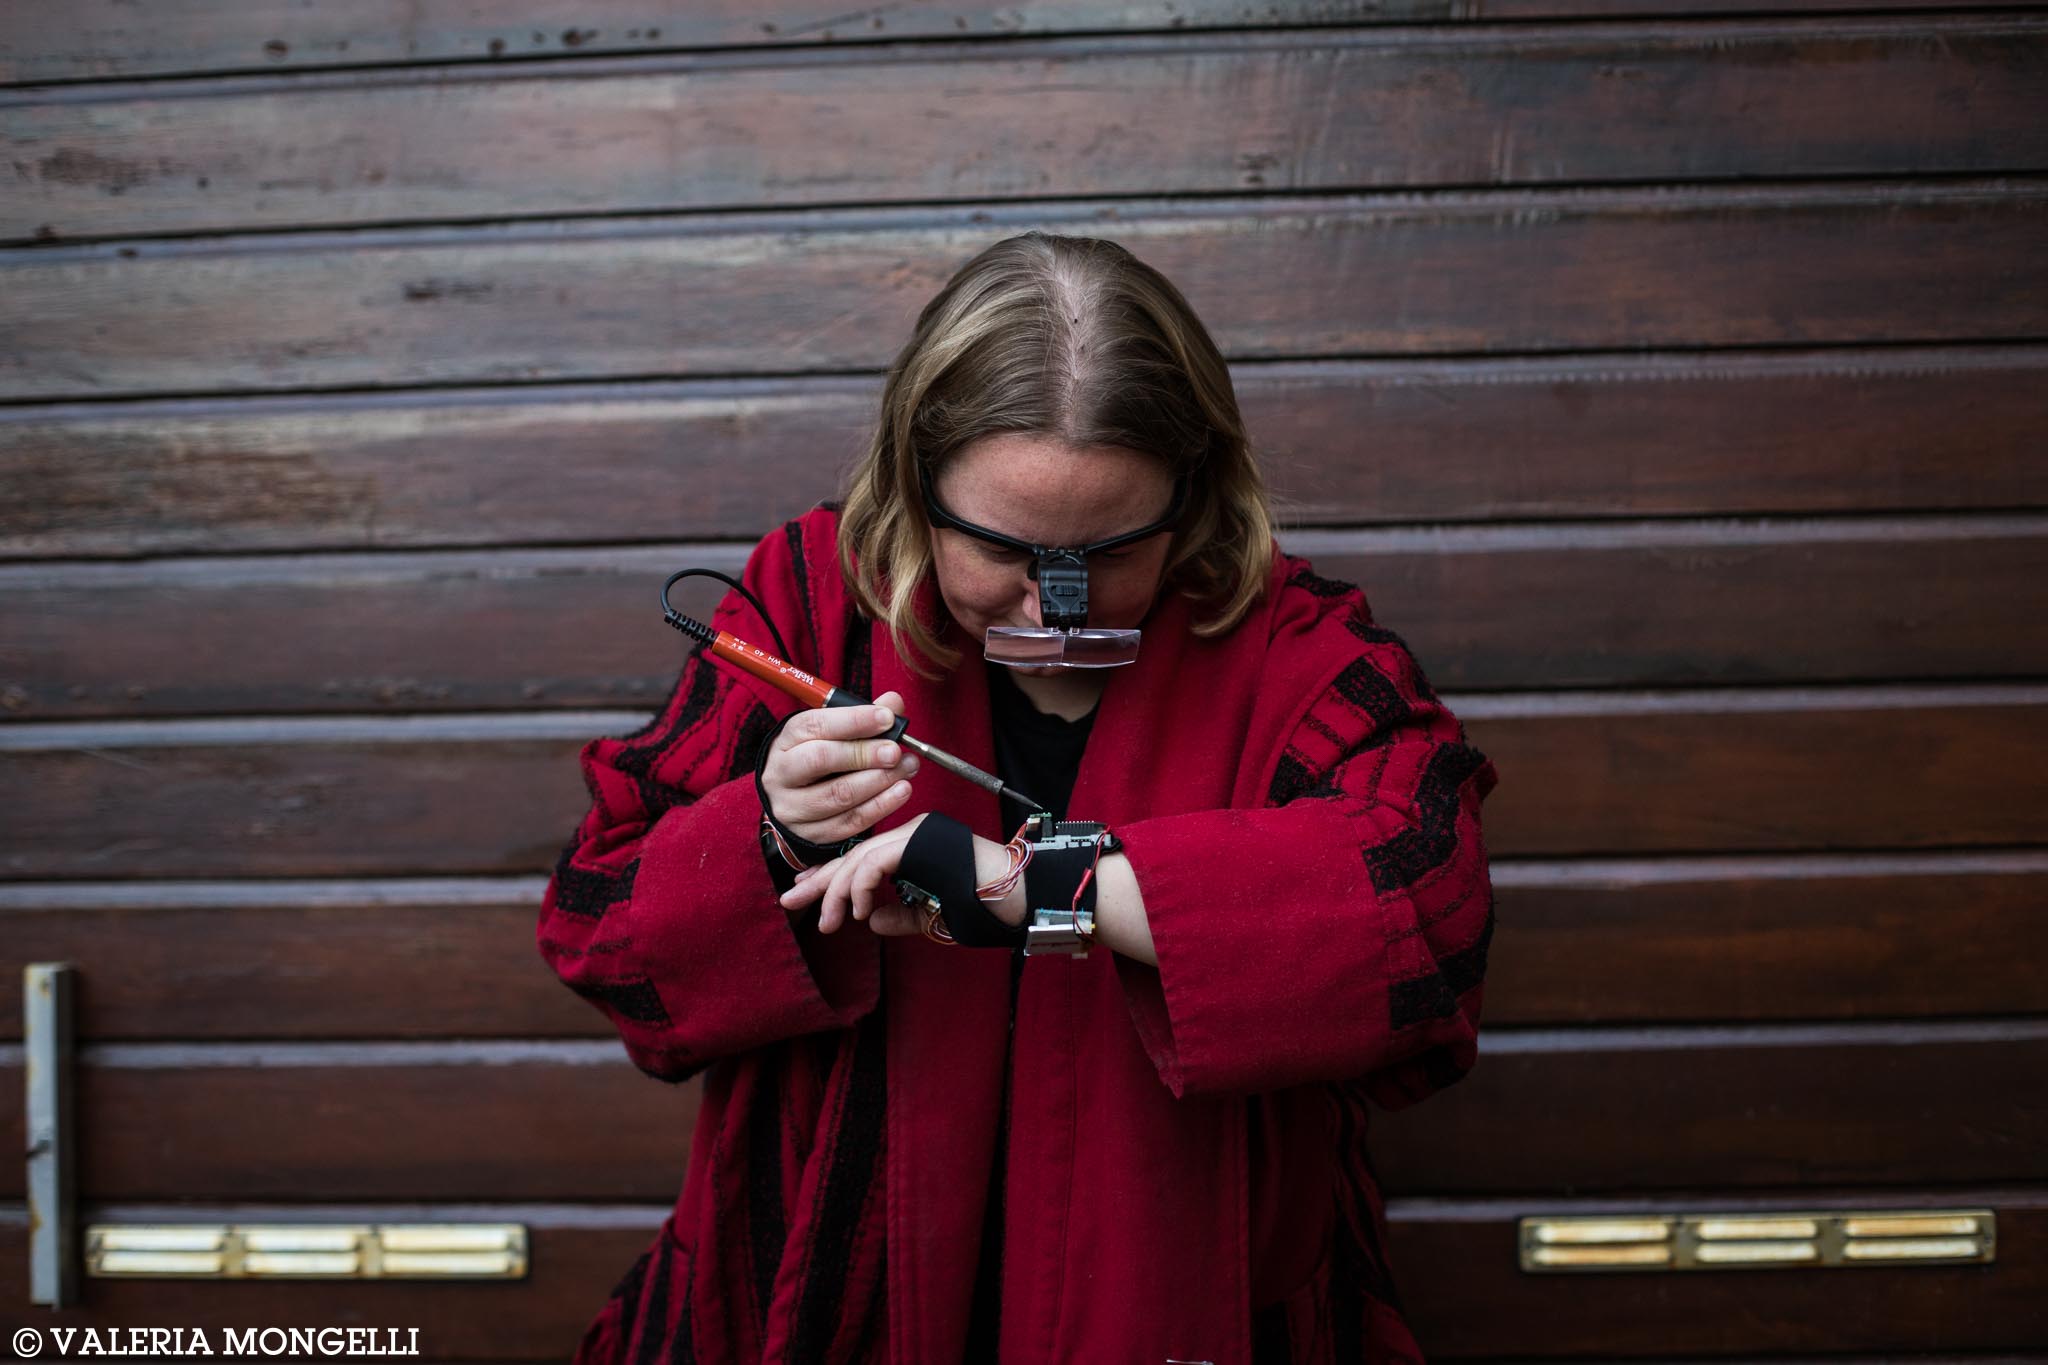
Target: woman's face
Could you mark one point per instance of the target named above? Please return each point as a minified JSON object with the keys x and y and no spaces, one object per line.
{"x":1039,"y":489}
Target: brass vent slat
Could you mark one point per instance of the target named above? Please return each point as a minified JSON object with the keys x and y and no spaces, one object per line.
{"x":1755,"y":1253}
{"x":449,"y":1237}
{"x":337,"y":1238}
{"x":1911,"y":1249}
{"x":1917,"y":1225}
{"x":322,"y":1263}
{"x":1788,"y":1240}
{"x":161,"y":1239}
{"x":158,"y":1263}
{"x":1754,"y":1229}
{"x":495,"y":1263}
{"x":1604,"y":1230}
{"x":1579,"y":1257}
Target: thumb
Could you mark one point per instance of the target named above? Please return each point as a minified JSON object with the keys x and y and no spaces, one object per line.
{"x":892,"y":700}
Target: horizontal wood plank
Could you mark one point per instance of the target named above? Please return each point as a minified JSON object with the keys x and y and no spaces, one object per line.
{"x":1710,"y":1107}
{"x":1487,"y":272}
{"x":1449,"y":1256}
{"x":409,"y":960}
{"x":101,"y":39}
{"x":1599,"y":1110}
{"x":1662,"y":604}
{"x":1343,"y":442}
{"x":401,"y":1121}
{"x":1446,"y":1256}
{"x":1306,"y":111}
{"x":1582,"y":774}
{"x":341,"y":800}
{"x":1601,"y":941}
{"x":1656,"y":603}
{"x":518,"y":465}
{"x":368,"y":1121}
{"x":575,"y":1256}
{"x":1864,"y":937}
{"x":1722,"y":771}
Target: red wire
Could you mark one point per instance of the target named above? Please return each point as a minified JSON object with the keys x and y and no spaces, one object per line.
{"x":1089,"y":875}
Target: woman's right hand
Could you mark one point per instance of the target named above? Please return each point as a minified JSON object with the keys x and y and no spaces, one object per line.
{"x":828,"y":777}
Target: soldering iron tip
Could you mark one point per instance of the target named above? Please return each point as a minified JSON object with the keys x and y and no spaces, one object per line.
{"x":1021,"y":799}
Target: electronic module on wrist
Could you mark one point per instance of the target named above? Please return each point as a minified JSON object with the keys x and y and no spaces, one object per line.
{"x":1059,"y":883}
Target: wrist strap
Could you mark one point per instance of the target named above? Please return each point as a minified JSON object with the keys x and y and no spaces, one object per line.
{"x":1060,"y":884}
{"x":938,"y":863}
{"x":1055,"y":874}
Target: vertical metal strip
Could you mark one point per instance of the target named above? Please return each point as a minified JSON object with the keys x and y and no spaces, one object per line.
{"x":46,"y":997}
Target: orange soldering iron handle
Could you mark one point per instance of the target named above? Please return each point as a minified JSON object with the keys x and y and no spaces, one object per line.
{"x":769,"y":669}
{"x":791,"y":679}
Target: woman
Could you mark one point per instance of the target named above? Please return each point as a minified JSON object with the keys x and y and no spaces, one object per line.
{"x":914,"y":1150}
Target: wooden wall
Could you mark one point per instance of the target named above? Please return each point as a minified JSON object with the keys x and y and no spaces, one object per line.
{"x":1671,"y":374}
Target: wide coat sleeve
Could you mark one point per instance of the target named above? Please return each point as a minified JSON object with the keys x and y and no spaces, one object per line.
{"x":1333,"y":924}
{"x":661,"y":911}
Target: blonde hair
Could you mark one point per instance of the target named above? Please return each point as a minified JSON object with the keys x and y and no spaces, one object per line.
{"x":1072,"y":338}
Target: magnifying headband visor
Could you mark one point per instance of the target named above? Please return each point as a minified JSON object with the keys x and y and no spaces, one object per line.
{"x":1061,"y":573}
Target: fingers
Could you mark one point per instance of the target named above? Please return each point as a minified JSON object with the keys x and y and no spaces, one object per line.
{"x":816,"y":759}
{"x":838,"y":722}
{"x":868,"y":813}
{"x":892,"y":919}
{"x":830,"y":885}
{"x":843,"y":806}
{"x":856,"y":888}
{"x":810,"y":884}
{"x":864,"y":884}
{"x":830,"y":775}
{"x":837,"y":906}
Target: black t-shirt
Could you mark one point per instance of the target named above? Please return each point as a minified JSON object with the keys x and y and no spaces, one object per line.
{"x":1039,"y":755}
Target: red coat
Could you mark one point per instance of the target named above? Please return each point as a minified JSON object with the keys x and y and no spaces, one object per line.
{"x":1187,"y":1142}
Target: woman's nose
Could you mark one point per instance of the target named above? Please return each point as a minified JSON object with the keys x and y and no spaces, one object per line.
{"x":1031,"y":612}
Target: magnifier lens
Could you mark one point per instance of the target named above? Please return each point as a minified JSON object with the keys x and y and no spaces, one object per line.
{"x":1034,"y":646}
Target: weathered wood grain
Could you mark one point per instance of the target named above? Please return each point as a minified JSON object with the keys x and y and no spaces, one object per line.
{"x":1816,"y":1105}
{"x":1278,"y":112}
{"x":1487,"y":272}
{"x":1727,"y":1107}
{"x":1792,"y":768}
{"x":1864,"y":936}
{"x":1582,"y":774}
{"x":100,"y":39}
{"x":1637,"y":604}
{"x":1814,"y":937}
{"x":1344,"y":442}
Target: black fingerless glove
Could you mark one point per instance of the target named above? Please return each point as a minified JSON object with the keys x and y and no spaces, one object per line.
{"x":938,"y":862}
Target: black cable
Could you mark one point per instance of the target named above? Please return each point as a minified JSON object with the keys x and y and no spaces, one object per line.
{"x":702,"y":633}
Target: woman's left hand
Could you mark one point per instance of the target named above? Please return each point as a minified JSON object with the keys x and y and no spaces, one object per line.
{"x":861,"y":885}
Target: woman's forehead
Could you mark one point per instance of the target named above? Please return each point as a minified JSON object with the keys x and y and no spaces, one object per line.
{"x":1039,"y":489}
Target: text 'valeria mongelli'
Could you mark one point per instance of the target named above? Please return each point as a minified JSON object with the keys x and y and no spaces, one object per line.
{"x":29,"y":1342}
